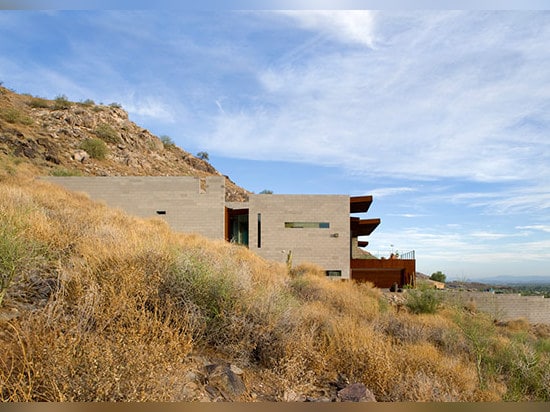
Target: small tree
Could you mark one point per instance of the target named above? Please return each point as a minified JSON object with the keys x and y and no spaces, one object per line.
{"x":438,"y":276}
{"x":203,"y":155}
{"x":266,"y":192}
{"x":61,"y":103}
{"x":167,"y":141}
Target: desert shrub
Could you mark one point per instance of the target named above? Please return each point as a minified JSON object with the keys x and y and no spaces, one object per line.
{"x":423,"y":300}
{"x":212,"y":292}
{"x":12,"y":255}
{"x":88,"y":103}
{"x":203,"y":155}
{"x":167,"y":141}
{"x":479,"y":332}
{"x":61,"y":103}
{"x":12,"y":115}
{"x":115,"y":105}
{"x":304,"y":268}
{"x":19,"y":252}
{"x":61,"y":171}
{"x":52,"y":358}
{"x":96,"y":148}
{"x":107,"y":133}
{"x":39,"y":103}
{"x":523,"y":365}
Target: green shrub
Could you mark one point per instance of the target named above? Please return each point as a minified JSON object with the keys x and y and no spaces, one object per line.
{"x":203,"y":155}
{"x":115,"y":105}
{"x":39,"y":103}
{"x":61,"y":103}
{"x":16,"y":252}
{"x":212,"y":294}
{"x":107,"y":133}
{"x":423,"y":300}
{"x":12,"y":115}
{"x":525,"y":367}
{"x":61,"y":171}
{"x":167,"y":141}
{"x":438,"y":276}
{"x":88,"y":102}
{"x":96,"y":148}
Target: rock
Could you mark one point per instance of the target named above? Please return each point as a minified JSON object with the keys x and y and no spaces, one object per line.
{"x":236,"y":370}
{"x":225,"y":380}
{"x":291,"y":396}
{"x":80,"y":156}
{"x":356,"y":392}
{"x":52,"y":158}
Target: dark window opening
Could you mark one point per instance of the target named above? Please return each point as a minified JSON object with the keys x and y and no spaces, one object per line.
{"x":259,"y":230}
{"x":161,"y":212}
{"x":334,"y":273}
{"x":238,"y":229}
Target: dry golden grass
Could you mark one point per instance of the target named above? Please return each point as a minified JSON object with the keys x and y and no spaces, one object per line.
{"x":111,"y":306}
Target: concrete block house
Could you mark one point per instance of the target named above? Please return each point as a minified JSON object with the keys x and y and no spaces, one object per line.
{"x":319,"y":229}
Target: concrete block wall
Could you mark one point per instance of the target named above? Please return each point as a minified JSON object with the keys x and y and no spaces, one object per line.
{"x":504,"y":307}
{"x":326,"y":247}
{"x":190,"y":204}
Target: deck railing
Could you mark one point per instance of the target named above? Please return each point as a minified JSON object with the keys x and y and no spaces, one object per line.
{"x":407,"y":255}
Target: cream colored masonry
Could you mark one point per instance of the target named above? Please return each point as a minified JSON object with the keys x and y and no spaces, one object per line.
{"x":197,"y":205}
{"x":188,"y":204}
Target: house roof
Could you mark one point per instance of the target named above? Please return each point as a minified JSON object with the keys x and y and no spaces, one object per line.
{"x":363,"y":227}
{"x":360,"y":204}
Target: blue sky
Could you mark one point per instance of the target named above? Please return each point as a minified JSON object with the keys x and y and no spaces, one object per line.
{"x":443,"y":116}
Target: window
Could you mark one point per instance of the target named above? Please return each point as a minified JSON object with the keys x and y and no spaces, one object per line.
{"x":307,"y":225}
{"x":334,"y":273}
{"x":259,"y":230}
{"x":161,"y":212}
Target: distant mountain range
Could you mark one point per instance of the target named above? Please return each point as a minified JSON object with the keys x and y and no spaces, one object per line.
{"x":512,"y":280}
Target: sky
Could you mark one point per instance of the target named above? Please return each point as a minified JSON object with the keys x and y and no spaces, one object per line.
{"x":442,"y":115}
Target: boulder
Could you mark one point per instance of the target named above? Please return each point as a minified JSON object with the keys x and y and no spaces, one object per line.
{"x":80,"y":156}
{"x":356,"y":392}
{"x":222,"y":378}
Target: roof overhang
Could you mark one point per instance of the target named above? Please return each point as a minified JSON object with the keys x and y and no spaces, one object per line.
{"x":363,"y":227}
{"x":360,"y":204}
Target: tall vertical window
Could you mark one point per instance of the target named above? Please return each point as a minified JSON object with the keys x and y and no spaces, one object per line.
{"x":259,"y":230}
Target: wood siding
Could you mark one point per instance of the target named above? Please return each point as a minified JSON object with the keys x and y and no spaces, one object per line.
{"x":383,"y":273}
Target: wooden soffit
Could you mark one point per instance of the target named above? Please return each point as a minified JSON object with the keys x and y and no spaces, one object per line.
{"x":360,"y":204}
{"x":363,"y":227}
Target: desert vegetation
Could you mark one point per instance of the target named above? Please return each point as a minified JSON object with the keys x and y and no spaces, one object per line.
{"x":98,"y":305}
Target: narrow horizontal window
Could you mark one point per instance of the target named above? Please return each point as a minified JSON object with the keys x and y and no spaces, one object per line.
{"x":307,"y":225}
{"x":334,"y":273}
{"x":161,"y":212}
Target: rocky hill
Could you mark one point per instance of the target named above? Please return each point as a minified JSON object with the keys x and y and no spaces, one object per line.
{"x":61,"y":137}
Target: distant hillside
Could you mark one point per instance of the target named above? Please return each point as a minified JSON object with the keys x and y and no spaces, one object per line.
{"x":67,"y":138}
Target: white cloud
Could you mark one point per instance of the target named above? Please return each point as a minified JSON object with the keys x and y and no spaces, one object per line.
{"x":406,"y":215}
{"x":507,"y":201}
{"x":390,"y":191}
{"x":344,"y":25}
{"x":149,"y":106}
{"x":484,"y":235}
{"x":544,"y":228}
{"x":442,"y":95}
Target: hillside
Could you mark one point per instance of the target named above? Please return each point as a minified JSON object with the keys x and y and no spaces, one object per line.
{"x":97,"y":305}
{"x":53,"y":135}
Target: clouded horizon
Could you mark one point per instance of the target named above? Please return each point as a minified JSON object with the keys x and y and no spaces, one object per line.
{"x":443,"y":116}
